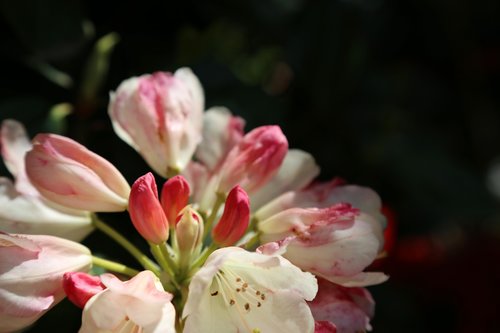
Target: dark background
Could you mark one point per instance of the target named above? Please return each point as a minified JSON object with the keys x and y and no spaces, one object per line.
{"x":401,"y":96}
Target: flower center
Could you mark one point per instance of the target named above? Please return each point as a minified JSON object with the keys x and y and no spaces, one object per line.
{"x":238,"y":294}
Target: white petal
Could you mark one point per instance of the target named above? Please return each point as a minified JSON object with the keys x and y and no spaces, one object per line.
{"x":25,"y":214}
{"x":298,"y":169}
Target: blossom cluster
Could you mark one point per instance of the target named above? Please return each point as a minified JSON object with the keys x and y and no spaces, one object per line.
{"x":241,"y":236}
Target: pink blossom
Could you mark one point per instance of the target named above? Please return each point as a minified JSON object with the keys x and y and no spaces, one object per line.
{"x":145,"y":210}
{"x":335,"y":243}
{"x":137,"y":305}
{"x":22,"y":208}
{"x":31,"y":273}
{"x":85,"y":180}
{"x":322,"y":195}
{"x":350,"y":309}
{"x":160,"y":116}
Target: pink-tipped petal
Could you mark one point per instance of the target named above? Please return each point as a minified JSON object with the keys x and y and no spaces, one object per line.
{"x":254,"y":160}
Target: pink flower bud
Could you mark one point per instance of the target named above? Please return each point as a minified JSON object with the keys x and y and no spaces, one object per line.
{"x":189,"y":231}
{"x":254,"y":160}
{"x":174,"y":197}
{"x":234,"y":221}
{"x":160,"y":115}
{"x":69,"y":174}
{"x":80,"y":287}
{"x":145,"y":210}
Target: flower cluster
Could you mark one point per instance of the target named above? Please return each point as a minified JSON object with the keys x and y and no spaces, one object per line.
{"x":241,"y":237}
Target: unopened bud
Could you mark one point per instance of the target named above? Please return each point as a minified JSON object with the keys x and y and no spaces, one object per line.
{"x":80,"y":287}
{"x":69,"y":174}
{"x":189,"y":233}
{"x":174,"y":197}
{"x":254,"y":160}
{"x":145,"y":210}
{"x":234,"y":221}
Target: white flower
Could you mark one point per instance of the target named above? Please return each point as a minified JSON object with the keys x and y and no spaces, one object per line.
{"x":241,"y":291}
{"x":137,"y":305}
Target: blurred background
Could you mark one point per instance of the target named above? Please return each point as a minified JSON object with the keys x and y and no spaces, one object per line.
{"x":401,"y":96}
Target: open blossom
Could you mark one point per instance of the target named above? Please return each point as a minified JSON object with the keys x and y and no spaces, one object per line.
{"x":241,"y":291}
{"x":349,"y":309}
{"x":31,"y":273}
{"x":335,"y":243}
{"x":69,"y":174}
{"x":22,"y":208}
{"x":160,"y":116}
{"x":137,"y":305}
{"x":322,"y":195}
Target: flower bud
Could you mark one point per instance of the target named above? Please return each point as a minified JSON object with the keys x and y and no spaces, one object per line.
{"x":80,"y":287}
{"x":189,"y":231}
{"x":174,"y":197}
{"x":160,"y":115}
{"x":145,"y":210}
{"x":69,"y":174}
{"x":254,"y":160}
{"x":234,"y":221}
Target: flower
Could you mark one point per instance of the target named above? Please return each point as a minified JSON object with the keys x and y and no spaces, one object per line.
{"x":136,"y":305}
{"x":349,"y":309}
{"x":146,"y":212}
{"x":31,"y":273}
{"x":160,"y":116}
{"x":335,"y":243}
{"x":237,"y":290}
{"x":22,"y":208}
{"x":85,"y":180}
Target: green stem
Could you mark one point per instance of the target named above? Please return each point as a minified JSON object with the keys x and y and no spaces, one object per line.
{"x":164,"y":263}
{"x":131,"y":248}
{"x":213,"y":214}
{"x":253,"y":224}
{"x":165,"y":251}
{"x":202,"y":258}
{"x":114,"y":266}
